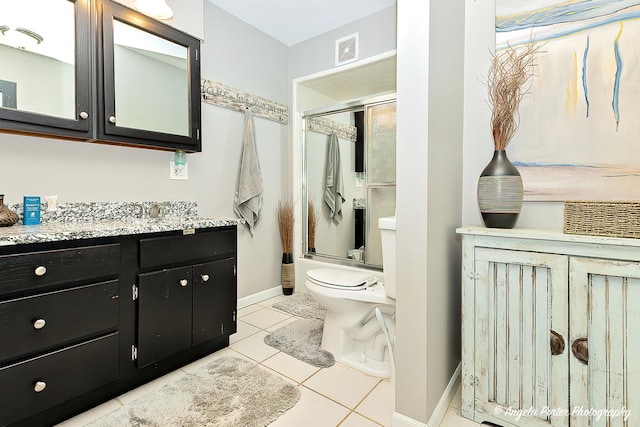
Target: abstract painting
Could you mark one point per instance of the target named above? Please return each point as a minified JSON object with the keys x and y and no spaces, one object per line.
{"x":579,"y":134}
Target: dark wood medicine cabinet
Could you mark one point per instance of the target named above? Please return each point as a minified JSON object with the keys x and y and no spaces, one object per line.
{"x":120,"y":77}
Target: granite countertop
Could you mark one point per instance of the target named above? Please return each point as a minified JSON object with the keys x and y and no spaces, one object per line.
{"x":106,"y":220}
{"x":53,"y":232}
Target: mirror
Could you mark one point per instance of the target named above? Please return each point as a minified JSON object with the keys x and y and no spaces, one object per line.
{"x":353,"y":146}
{"x":151,"y":81}
{"x":150,"y":87}
{"x":38,"y":57}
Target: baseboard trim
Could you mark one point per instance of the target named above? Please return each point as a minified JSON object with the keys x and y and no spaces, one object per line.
{"x":399,"y":420}
{"x":441,"y":408}
{"x":259,"y":297}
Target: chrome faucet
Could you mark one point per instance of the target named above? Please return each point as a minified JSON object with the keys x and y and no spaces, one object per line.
{"x":156,"y":211}
{"x":140,"y":213}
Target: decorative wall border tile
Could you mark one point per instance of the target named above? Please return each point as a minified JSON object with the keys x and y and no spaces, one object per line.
{"x":225,"y":96}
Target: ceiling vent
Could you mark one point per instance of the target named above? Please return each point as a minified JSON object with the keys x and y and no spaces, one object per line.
{"x":347,"y":49}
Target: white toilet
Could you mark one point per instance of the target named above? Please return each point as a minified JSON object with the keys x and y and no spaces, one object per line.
{"x":352,"y":333}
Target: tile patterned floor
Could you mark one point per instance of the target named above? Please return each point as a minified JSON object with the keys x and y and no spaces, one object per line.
{"x":336,"y":396}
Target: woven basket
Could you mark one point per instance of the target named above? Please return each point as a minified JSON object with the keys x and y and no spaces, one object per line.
{"x":602,"y":218}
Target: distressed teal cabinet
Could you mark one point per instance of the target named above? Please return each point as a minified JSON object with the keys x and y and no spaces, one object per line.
{"x":550,"y":328}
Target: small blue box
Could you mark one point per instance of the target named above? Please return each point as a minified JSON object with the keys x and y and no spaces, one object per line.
{"x":31,"y":210}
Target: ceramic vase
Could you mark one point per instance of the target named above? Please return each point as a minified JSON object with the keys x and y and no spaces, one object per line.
{"x":500,"y":192}
{"x":7,"y":216}
{"x":288,"y":274}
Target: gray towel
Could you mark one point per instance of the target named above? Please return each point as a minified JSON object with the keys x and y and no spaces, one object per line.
{"x":334,"y":187}
{"x":247,"y":202}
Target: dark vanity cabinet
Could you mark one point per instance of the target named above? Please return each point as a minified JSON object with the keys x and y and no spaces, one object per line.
{"x":58,"y":326}
{"x":214,"y":300}
{"x":121,"y":77}
{"x":189,"y":295}
{"x":82,"y":322}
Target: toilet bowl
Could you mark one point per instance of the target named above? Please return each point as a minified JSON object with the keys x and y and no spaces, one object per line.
{"x":352,"y":332}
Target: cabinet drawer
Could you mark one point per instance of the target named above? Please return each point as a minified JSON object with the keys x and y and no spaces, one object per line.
{"x":161,"y":251}
{"x":64,"y":374}
{"x":48,"y":268}
{"x":39,"y":323}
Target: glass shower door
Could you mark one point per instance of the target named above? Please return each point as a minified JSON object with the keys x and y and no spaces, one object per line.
{"x":380,"y":139}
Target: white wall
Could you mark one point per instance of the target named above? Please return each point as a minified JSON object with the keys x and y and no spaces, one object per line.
{"x":377,"y":34}
{"x":242,"y":57}
{"x":478,"y":145}
{"x":79,"y":171}
{"x":429,"y":203}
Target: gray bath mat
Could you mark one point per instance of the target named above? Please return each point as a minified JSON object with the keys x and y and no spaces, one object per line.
{"x":301,"y":339}
{"x":226,"y":392}
{"x":301,"y":305}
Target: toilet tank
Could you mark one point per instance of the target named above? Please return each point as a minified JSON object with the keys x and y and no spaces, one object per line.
{"x":387,"y":226}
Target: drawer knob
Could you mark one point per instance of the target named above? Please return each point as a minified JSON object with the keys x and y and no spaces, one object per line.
{"x":39,"y":386}
{"x":205,"y":277}
{"x":39,"y":324}
{"x":41,"y":270}
{"x":184,"y":282}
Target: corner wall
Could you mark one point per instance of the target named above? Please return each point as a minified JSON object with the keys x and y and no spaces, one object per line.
{"x":429,"y":203}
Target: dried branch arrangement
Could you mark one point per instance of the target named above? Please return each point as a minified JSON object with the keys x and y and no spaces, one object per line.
{"x":508,"y":82}
{"x":284,"y":216}
{"x":312,"y":220}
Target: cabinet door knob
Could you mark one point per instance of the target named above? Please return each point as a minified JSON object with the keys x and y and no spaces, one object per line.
{"x":84,"y":115}
{"x":40,"y":270}
{"x":557,"y":343}
{"x":205,"y":277}
{"x":112,"y":119}
{"x":580,"y":348}
{"x":184,"y":282}
{"x":39,"y":386}
{"x":39,"y":324}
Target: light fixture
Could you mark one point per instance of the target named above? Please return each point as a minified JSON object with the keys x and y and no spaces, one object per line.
{"x":19,"y":37}
{"x":158,"y":9}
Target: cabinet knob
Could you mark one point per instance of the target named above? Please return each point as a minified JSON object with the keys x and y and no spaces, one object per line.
{"x":557,"y":343}
{"x":84,"y":115}
{"x":205,"y":277}
{"x":39,"y":386}
{"x":39,"y":324}
{"x":40,"y":270}
{"x":184,"y":282}
{"x":112,"y":119}
{"x":580,"y":348}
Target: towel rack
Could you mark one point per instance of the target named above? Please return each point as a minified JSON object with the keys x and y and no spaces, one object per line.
{"x":234,"y":99}
{"x":327,"y":126}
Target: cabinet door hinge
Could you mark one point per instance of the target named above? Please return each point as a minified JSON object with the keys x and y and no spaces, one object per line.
{"x":134,"y":353}
{"x":134,"y":292}
{"x":234,"y":315}
{"x":196,"y":51}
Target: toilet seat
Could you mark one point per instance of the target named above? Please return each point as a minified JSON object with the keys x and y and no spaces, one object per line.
{"x":342,"y":279}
